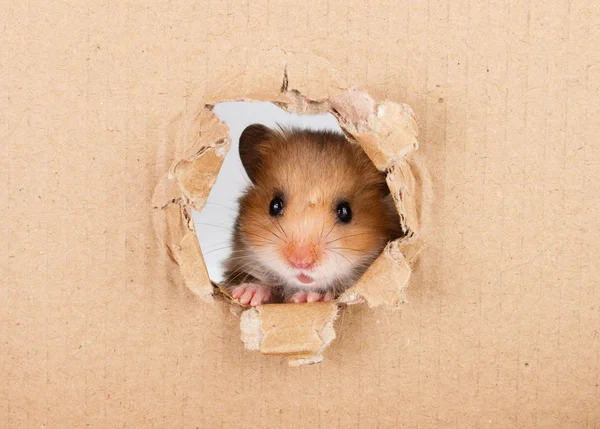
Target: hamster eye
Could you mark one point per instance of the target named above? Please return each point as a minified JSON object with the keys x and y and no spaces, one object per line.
{"x":276,"y":206}
{"x":343,"y":212}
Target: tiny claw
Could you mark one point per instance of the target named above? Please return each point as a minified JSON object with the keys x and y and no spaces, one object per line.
{"x":246,"y":296}
{"x":299,"y":297}
{"x":261,"y":296}
{"x":314,"y":297}
{"x":237,"y":292}
{"x":311,"y":297}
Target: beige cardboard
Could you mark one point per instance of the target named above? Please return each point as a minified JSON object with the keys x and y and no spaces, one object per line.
{"x":301,"y":334}
{"x":499,"y":329}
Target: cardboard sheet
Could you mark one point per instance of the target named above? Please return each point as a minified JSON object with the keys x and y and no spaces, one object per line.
{"x":99,"y":326}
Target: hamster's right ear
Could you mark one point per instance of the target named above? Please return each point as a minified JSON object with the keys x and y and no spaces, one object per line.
{"x":253,"y":144}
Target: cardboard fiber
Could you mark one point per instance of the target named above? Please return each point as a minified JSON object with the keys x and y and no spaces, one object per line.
{"x":500,"y":322}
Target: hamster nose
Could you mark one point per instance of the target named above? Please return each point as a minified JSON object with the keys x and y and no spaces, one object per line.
{"x":301,"y":264}
{"x":300,"y":257}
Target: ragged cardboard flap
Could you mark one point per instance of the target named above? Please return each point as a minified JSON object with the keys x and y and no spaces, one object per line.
{"x":202,"y":142}
{"x":384,"y":281}
{"x":184,"y":249}
{"x":299,"y":331}
{"x":407,"y":193}
{"x":388,"y":133}
{"x":197,"y":176}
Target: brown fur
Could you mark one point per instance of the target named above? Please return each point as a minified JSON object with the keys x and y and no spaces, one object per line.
{"x":313,"y":171}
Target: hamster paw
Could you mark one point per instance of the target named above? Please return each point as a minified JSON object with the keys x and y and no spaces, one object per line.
{"x":311,"y":297}
{"x":251,"y":294}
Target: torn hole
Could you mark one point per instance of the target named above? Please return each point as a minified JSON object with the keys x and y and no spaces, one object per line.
{"x":297,"y":213}
{"x":387,"y":134}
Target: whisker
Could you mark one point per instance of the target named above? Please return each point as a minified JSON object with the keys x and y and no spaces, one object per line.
{"x":330,"y":230}
{"x":214,"y":250}
{"x":231,"y":282}
{"x":231,"y":228}
{"x":271,"y":219}
{"x":222,"y":205}
{"x":242,"y":269}
{"x":268,"y":230}
{"x":247,"y":275}
{"x":237,"y":258}
{"x":228,"y":258}
{"x":340,"y":255}
{"x":347,"y":236}
{"x":282,"y":230}
{"x":256,"y":243}
{"x":346,"y":248}
{"x":250,"y":261}
{"x":278,"y":229}
{"x":234,"y":252}
{"x":213,"y":225}
{"x":219,"y":243}
{"x":259,"y":236}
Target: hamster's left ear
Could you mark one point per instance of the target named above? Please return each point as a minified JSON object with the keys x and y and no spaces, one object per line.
{"x":253,"y":145}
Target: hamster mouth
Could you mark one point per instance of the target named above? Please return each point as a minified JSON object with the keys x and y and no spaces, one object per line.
{"x":304,"y":279}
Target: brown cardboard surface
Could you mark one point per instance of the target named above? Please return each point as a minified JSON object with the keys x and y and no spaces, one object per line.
{"x":500,"y":324}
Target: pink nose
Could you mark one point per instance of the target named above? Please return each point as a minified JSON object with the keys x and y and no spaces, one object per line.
{"x":301,"y":264}
{"x":300,"y":257}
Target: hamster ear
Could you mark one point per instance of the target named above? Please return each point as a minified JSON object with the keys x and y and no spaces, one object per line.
{"x":252,"y":146}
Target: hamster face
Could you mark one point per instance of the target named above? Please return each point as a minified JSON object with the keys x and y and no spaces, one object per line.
{"x":318,"y":212}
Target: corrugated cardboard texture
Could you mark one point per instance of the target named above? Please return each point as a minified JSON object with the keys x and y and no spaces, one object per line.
{"x":500,"y":328}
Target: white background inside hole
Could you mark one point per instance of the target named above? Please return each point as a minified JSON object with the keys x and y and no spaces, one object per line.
{"x":215,"y":224}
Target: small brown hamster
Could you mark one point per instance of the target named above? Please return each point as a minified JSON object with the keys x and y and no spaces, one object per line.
{"x":316,"y":214}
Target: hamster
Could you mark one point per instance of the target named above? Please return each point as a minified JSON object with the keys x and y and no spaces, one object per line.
{"x":316,"y":214}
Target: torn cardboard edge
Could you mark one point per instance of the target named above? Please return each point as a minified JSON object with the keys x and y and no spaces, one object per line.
{"x":387,"y":131}
{"x":308,"y":330}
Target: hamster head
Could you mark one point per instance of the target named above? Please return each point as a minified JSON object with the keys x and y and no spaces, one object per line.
{"x":317,"y":212}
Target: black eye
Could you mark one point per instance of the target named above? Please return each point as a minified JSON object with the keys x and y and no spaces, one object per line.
{"x":343,"y":212}
{"x":276,"y":206}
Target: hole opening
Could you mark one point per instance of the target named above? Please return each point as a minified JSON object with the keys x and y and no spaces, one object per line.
{"x":216,"y":228}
